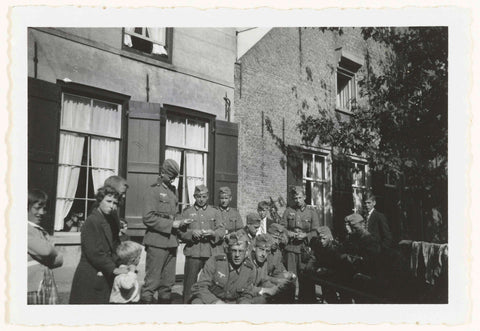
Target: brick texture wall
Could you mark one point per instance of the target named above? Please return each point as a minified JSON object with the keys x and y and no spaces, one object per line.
{"x":290,"y":70}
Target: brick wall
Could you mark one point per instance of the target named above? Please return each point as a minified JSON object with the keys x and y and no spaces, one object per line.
{"x":290,"y":70}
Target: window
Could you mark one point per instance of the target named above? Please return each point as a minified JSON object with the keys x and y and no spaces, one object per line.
{"x":359,"y":184}
{"x":90,"y":135}
{"x":187,"y":143}
{"x":155,"y":42}
{"x":391,"y":180}
{"x":347,"y":82}
{"x":315,"y":177}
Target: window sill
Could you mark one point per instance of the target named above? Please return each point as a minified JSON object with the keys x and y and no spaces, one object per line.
{"x":344,"y":111}
{"x":66,"y":238}
{"x":149,"y":59}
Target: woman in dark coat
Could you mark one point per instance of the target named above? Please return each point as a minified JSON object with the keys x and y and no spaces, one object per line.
{"x":93,"y":279}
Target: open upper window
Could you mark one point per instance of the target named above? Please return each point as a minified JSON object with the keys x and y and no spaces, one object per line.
{"x":348,"y":66}
{"x":155,"y":42}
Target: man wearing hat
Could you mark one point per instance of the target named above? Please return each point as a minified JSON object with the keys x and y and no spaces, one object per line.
{"x":362,"y":249}
{"x":250,"y":230}
{"x":226,"y":278}
{"x":203,"y":237}
{"x":161,"y":235}
{"x":230,"y":216}
{"x":301,"y":222}
{"x":276,"y":268}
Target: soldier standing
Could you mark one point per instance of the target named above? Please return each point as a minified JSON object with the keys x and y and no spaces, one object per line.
{"x":161,"y":236}
{"x":301,"y":222}
{"x":230,"y":216}
{"x":202,"y":237}
{"x":226,"y":278}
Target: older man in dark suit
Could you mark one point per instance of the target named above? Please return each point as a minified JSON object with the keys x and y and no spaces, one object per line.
{"x":377,"y":223}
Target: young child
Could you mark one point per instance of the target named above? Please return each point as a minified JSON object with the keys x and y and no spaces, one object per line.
{"x":125,"y":286}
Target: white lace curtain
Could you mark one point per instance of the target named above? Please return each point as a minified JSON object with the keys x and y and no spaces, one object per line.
{"x":92,"y":116}
{"x":87,"y":116}
{"x":188,"y":135}
{"x":70,"y":157}
{"x":104,"y":156}
{"x":196,"y":165}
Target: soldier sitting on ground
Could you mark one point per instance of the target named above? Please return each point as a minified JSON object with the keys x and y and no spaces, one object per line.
{"x":250,"y":230}
{"x":276,"y":286}
{"x":226,"y":278}
{"x":328,"y":262}
{"x":378,"y":269}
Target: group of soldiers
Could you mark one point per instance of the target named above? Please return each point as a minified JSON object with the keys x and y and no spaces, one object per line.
{"x":262,"y":261}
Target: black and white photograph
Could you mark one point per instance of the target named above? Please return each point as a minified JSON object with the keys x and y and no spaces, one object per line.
{"x":292,"y":166}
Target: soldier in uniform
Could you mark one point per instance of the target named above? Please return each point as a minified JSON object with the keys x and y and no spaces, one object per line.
{"x":202,"y":237}
{"x":272,"y":281}
{"x":230,"y":216}
{"x":250,"y":230}
{"x":301,"y":222}
{"x":226,"y":278}
{"x":161,"y":236}
{"x":276,"y":267}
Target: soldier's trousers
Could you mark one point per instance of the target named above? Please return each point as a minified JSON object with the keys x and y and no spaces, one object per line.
{"x":193,"y":265}
{"x":159,"y":274}
{"x":306,"y":287}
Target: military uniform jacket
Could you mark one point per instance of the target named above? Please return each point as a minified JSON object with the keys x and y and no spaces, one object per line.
{"x":231,"y":218}
{"x":275,"y":267}
{"x":218,"y":280}
{"x":306,"y":219}
{"x":206,"y":218}
{"x":262,"y":278}
{"x":158,"y":216}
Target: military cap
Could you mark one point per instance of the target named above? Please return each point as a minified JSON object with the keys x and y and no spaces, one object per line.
{"x":263,"y":240}
{"x":276,"y":229}
{"x":225,"y":190}
{"x":235,"y":239}
{"x":296,"y":189}
{"x":354,"y":218}
{"x":200,"y":189}
{"x":253,"y":218}
{"x":170,"y":168}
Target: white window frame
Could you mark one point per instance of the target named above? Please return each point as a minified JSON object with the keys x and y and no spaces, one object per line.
{"x":346,"y":97}
{"x":326,"y":177}
{"x":355,"y":186}
{"x":184,"y":148}
{"x":87,"y":134}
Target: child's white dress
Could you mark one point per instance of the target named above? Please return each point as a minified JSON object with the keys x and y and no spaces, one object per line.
{"x":125,"y":288}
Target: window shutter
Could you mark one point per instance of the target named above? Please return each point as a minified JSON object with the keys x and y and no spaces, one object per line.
{"x":43,"y":135}
{"x":143,"y":160}
{"x":342,"y":199}
{"x":226,"y":159}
